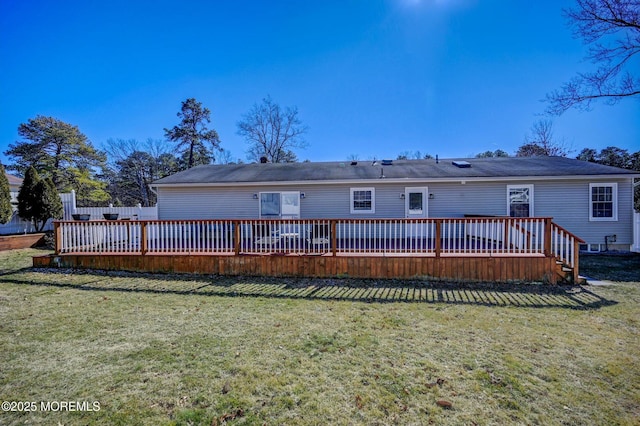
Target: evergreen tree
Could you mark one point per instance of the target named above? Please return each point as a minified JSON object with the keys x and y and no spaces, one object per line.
{"x":62,"y":152}
{"x":192,"y":134}
{"x":6,"y":211}
{"x":27,"y":195}
{"x":38,"y":200}
{"x":50,"y":204}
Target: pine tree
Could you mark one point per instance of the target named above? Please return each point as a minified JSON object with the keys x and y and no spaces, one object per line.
{"x":6,"y":211}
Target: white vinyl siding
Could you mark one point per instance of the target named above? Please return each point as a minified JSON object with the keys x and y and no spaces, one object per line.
{"x":363,"y":200}
{"x":603,"y":202}
{"x":567,"y":202}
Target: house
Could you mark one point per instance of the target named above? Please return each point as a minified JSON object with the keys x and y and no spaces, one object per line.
{"x":592,"y":201}
{"x":14,"y":182}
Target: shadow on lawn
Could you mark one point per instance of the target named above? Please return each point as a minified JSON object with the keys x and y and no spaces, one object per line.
{"x":343,"y":289}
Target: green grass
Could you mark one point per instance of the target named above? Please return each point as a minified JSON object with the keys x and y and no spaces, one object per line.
{"x":187,"y":350}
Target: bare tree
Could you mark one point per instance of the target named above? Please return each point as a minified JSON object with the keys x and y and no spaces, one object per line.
{"x":540,"y":142}
{"x":612,"y":29}
{"x":272,"y":132}
{"x":225,"y":157}
{"x":133,"y":165}
{"x":120,"y":149}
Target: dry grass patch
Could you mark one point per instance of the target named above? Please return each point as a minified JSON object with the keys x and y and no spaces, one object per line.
{"x":156,"y":349}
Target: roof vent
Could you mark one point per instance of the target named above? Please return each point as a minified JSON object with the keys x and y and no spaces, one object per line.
{"x":263,"y":160}
{"x":354,"y":163}
{"x":387,"y":162}
{"x":461,"y":164}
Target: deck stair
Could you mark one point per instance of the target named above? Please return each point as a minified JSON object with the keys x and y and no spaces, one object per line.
{"x":566,"y":275}
{"x":565,"y":249}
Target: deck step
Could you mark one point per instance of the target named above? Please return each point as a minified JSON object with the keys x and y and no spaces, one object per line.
{"x":565,"y":273}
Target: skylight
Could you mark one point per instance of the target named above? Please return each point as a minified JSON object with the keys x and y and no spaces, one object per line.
{"x":461,"y":164}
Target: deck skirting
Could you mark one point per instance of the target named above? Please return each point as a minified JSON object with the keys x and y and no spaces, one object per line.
{"x":459,"y":268}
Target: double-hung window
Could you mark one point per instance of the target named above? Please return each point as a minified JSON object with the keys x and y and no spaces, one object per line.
{"x":603,"y":201}
{"x":520,"y":200}
{"x":363,"y":200}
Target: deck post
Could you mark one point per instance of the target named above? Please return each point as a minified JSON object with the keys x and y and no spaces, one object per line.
{"x":236,"y":237}
{"x":334,"y":238}
{"x":438,"y":237}
{"x":143,"y":237}
{"x":58,"y":235}
{"x":576,"y":261}
{"x":547,"y":236}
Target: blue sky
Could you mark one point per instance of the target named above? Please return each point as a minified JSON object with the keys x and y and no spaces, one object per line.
{"x":371,"y":78}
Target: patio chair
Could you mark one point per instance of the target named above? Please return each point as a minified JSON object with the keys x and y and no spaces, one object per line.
{"x":263,"y":235}
{"x":319,"y":235}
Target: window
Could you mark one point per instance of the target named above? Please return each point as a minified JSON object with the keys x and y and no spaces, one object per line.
{"x":284,"y":205}
{"x":520,"y":200}
{"x":269,"y":204}
{"x":415,"y":202}
{"x":363,"y":200}
{"x":603,"y":201}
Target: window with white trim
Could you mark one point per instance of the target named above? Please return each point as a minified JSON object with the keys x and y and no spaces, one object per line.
{"x":520,"y":200}
{"x":603,"y":201}
{"x":363,"y":200}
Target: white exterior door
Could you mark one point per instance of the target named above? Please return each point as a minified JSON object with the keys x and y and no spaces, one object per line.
{"x":415,"y":202}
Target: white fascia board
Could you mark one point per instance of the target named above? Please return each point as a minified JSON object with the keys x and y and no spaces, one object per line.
{"x":393,"y":181}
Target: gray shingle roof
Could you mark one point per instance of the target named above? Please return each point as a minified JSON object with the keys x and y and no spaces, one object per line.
{"x":13,"y":180}
{"x":400,"y":169}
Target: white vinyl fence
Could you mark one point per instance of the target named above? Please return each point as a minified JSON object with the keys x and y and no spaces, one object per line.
{"x":96,"y":213}
{"x":18,"y":226}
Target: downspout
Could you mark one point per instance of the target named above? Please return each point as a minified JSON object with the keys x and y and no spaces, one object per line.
{"x":155,"y":192}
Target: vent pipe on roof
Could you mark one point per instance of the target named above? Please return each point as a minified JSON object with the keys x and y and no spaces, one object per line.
{"x":264,"y":160}
{"x":437,"y":161}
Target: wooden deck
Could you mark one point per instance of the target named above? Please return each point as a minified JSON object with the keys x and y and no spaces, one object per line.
{"x":498,"y":269}
{"x":478,"y":249}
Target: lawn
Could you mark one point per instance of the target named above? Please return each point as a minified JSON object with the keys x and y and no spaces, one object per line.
{"x":161,"y":349}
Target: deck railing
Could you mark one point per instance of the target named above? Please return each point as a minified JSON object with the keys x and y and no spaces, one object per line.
{"x":565,"y":248}
{"x":486,"y":236}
